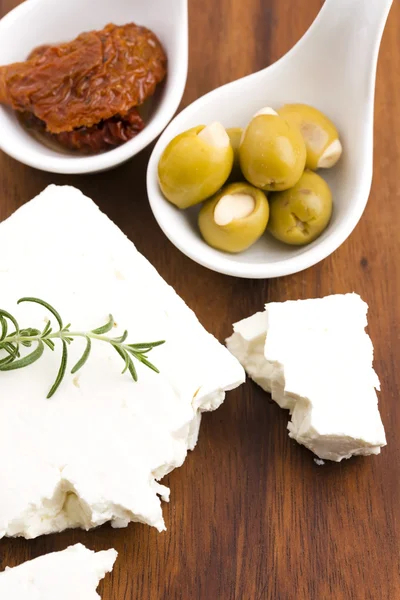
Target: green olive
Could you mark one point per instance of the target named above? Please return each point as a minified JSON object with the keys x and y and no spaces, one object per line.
{"x":299,"y":215}
{"x":235,"y":218}
{"x":272,"y":153}
{"x":320,"y":135}
{"x":235,"y":135}
{"x":195,"y":165}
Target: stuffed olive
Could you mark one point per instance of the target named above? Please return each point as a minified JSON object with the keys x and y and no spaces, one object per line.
{"x":195,"y":165}
{"x":319,"y":133}
{"x":272,"y":152}
{"x":235,"y":218}
{"x":299,"y":215}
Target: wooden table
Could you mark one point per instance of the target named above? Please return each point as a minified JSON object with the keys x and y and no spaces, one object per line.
{"x":252,"y":517}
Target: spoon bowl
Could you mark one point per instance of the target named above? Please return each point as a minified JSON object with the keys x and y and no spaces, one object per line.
{"x":38,"y":22}
{"x":332,"y":68}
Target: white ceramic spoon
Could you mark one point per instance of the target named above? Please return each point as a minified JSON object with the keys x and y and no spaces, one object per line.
{"x":333,"y":68}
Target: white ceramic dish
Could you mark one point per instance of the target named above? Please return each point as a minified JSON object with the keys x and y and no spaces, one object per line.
{"x":333,"y":68}
{"x":36,"y":22}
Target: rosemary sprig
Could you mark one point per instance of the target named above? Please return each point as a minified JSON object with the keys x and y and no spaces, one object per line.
{"x":10,"y":344}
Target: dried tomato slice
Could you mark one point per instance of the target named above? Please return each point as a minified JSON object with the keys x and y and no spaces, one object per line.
{"x":88,"y":81}
{"x":98,"y":138}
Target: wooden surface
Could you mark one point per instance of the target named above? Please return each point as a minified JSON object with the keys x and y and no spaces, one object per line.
{"x":252,"y":517}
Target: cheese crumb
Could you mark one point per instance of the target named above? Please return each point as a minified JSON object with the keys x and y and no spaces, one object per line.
{"x":73,"y":573}
{"x":315,"y":359}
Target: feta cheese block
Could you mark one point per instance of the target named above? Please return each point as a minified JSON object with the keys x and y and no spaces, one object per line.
{"x":95,"y":451}
{"x":315,"y":359}
{"x":73,"y":574}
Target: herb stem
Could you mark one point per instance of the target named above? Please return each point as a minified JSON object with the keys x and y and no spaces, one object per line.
{"x":58,"y":335}
{"x":10,"y":344}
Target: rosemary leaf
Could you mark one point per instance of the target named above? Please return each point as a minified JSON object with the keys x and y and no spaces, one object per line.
{"x":84,"y":357}
{"x":47,"y":329}
{"x":106,"y":328}
{"x":144,"y":360}
{"x":123,"y":354}
{"x":132,"y":371}
{"x":127,"y":361}
{"x":4,"y":328}
{"x":61,"y":372}
{"x":30,"y":332}
{"x":49,"y":343}
{"x":46,"y":305}
{"x":6,"y":360}
{"x":121,"y":339}
{"x":5,"y":314}
{"x":27,"y":360}
{"x":11,"y":348}
{"x":150,"y":345}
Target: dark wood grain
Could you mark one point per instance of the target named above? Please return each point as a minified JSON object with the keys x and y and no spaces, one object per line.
{"x":251,"y":515}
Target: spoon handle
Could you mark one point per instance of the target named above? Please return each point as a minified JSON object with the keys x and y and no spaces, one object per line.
{"x":341,"y":50}
{"x":349,"y":25}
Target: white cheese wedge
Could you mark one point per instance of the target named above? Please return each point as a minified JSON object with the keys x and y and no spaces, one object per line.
{"x":96,"y":450}
{"x":73,"y":574}
{"x":315,"y":359}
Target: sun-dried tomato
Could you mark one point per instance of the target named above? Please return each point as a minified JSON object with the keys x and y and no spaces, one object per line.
{"x":90,"y":140}
{"x":89,"y":86}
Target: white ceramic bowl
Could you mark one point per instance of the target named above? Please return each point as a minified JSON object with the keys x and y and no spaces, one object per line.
{"x":36,"y":22}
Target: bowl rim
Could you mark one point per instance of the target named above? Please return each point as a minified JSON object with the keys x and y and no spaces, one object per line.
{"x":71,"y":165}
